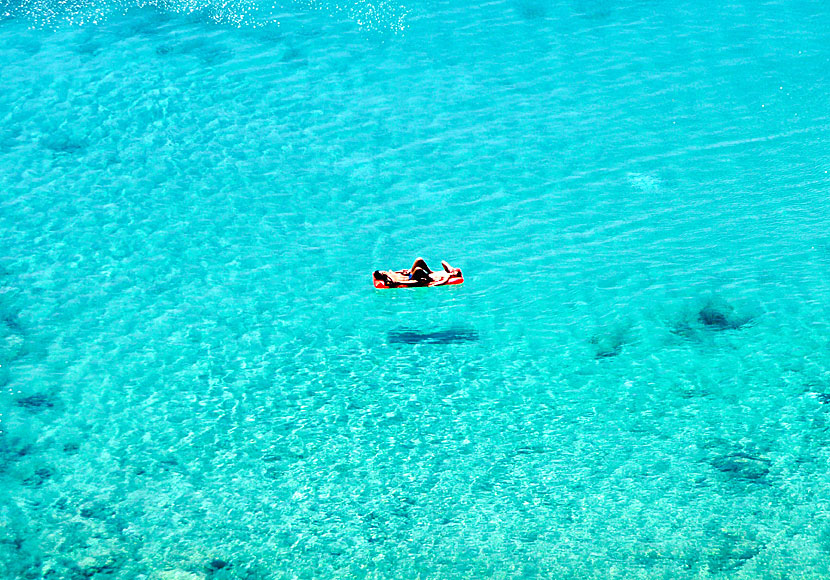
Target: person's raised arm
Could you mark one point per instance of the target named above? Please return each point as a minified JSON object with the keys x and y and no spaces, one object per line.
{"x":441,"y":278}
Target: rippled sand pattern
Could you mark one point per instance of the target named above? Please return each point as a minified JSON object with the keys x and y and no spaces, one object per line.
{"x":198,"y":381}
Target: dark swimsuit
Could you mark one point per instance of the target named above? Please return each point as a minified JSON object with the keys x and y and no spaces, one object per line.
{"x":421,"y":276}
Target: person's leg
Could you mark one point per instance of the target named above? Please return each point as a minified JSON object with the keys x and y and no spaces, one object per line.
{"x":421,"y":276}
{"x":420,"y":263}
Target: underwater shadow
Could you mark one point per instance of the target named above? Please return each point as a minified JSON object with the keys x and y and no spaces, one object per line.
{"x":448,"y":336}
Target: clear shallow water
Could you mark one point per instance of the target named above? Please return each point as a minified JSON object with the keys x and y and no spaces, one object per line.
{"x":196,"y":367}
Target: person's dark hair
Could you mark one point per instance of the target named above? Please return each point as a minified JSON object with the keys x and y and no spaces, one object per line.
{"x":383,"y":277}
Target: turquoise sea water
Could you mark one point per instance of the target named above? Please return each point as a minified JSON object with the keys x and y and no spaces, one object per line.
{"x":199,"y":381}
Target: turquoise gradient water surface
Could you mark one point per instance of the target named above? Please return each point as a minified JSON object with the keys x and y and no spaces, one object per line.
{"x":197,"y":379}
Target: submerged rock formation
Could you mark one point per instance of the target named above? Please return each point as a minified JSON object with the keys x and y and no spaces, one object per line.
{"x":718,"y":314}
{"x":743,"y":466}
{"x":610,"y":344}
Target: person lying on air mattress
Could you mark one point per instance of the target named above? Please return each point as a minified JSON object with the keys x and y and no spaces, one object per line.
{"x":418,"y":275}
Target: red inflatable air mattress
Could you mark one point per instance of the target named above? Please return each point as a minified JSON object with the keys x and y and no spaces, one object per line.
{"x":383,"y":285}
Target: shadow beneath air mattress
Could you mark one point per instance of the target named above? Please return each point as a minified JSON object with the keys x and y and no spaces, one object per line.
{"x":448,"y":336}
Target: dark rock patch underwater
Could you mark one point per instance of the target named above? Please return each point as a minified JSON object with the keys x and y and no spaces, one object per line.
{"x":714,"y":315}
{"x":718,"y":314}
{"x":610,"y":343}
{"x":63,"y":142}
{"x":730,"y":550}
{"x":743,"y":466}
